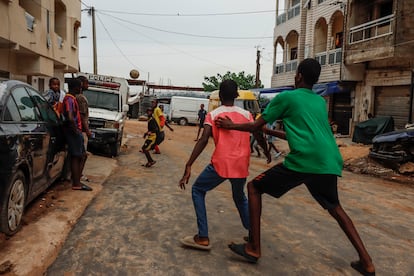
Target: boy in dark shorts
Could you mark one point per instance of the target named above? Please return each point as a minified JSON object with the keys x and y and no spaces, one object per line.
{"x":73,"y":134}
{"x":151,"y":137}
{"x":202,"y":113}
{"x":314,"y":160}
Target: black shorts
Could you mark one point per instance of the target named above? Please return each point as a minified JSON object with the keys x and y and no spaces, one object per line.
{"x":160,"y":138}
{"x":149,"y":142}
{"x":201,"y":125}
{"x":278,"y":180}
{"x":74,"y":140}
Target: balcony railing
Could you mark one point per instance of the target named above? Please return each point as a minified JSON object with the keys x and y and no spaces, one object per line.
{"x":292,"y":12}
{"x":372,"y":30}
{"x":279,"y":68}
{"x":321,"y":58}
{"x":281,"y":19}
{"x":330,"y":57}
{"x":291,"y":65}
{"x":335,"y":56}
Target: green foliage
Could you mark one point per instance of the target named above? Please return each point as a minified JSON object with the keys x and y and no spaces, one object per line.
{"x":244,"y":82}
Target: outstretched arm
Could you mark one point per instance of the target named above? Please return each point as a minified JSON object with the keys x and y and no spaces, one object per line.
{"x":249,"y":127}
{"x":277,"y":133}
{"x":197,"y":150}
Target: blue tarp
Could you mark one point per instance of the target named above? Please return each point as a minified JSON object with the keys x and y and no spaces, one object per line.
{"x":328,"y":88}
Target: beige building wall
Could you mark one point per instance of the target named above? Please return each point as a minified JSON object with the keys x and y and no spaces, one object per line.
{"x":305,"y":24}
{"x":39,"y":39}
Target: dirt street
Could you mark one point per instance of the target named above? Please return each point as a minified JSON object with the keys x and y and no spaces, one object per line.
{"x":134,"y":225}
{"x":134,"y":220}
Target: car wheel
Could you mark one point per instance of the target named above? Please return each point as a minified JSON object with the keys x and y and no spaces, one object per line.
{"x":183,"y":122}
{"x":12,"y":204}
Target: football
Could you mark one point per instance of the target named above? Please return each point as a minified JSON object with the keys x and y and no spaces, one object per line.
{"x":134,"y":74}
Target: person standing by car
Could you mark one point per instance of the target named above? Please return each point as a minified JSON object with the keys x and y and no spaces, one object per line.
{"x":72,"y":128}
{"x":314,"y":160}
{"x":84,"y":113}
{"x":55,"y":95}
{"x":201,"y":118}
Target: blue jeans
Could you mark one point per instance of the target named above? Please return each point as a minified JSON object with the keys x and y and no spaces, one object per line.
{"x":208,"y":180}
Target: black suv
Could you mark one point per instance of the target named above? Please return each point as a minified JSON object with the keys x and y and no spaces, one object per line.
{"x":32,"y":150}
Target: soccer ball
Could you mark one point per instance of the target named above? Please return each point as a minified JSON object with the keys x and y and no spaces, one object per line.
{"x":134,"y":74}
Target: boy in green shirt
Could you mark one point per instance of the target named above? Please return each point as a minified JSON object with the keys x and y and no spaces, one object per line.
{"x":314,"y":160}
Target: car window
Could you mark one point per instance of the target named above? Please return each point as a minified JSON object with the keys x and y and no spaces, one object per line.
{"x":27,"y":109}
{"x":47,"y":113}
{"x":11,"y":113}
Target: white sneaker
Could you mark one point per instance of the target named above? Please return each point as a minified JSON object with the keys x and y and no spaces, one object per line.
{"x":277,"y":155}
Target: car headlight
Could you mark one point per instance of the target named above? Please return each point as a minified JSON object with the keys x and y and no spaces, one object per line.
{"x":111,"y":124}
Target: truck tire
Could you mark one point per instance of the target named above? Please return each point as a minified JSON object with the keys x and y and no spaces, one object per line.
{"x":134,"y":111}
{"x":183,"y":122}
{"x":115,"y":148}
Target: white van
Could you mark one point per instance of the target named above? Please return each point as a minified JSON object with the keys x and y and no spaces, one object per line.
{"x":184,"y":110}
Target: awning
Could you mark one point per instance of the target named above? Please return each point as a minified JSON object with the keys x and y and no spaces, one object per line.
{"x":328,"y":88}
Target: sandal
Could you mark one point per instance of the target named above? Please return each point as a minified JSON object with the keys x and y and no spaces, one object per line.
{"x":150,"y":164}
{"x":240,"y":249}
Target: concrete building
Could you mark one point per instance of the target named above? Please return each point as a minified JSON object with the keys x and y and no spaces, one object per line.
{"x":381,"y":39}
{"x":329,"y":31}
{"x":38,"y":40}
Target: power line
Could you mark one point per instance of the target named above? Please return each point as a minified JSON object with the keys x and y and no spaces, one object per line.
{"x":175,"y":49}
{"x":190,"y":15}
{"x":116,"y":45}
{"x":184,"y":34}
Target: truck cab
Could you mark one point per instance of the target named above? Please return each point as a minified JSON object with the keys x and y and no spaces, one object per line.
{"x":108,"y":106}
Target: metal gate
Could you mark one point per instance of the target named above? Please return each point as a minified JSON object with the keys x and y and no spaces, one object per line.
{"x":393,"y":101}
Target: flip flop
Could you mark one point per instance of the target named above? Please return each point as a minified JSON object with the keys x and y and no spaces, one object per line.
{"x":82,"y":188}
{"x":150,"y":164}
{"x":189,"y":241}
{"x":357,"y":265}
{"x":239,"y":249}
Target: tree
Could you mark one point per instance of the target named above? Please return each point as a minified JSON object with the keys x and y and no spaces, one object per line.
{"x":244,"y":82}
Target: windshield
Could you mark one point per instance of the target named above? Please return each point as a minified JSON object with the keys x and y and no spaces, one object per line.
{"x":100,"y":99}
{"x":250,"y":105}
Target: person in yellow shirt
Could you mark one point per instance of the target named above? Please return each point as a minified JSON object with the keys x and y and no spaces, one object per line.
{"x":160,"y":119}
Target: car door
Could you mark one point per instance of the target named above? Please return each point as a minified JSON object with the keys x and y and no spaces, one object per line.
{"x":34,"y":136}
{"x":56,"y":153}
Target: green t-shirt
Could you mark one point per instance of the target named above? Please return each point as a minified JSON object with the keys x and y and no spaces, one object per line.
{"x":313,"y":147}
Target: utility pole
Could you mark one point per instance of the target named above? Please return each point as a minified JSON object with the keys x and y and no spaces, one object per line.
{"x":95,"y":58}
{"x":257,"y":83}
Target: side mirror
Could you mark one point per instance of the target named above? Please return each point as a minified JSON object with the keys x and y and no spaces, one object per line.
{"x":125,"y":108}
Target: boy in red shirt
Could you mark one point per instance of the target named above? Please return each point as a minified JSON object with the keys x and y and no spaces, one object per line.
{"x":225,"y":163}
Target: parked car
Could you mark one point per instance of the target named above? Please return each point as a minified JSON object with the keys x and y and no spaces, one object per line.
{"x":32,"y":150}
{"x":395,"y":147}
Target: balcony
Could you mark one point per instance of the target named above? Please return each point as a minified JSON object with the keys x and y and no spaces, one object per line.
{"x":291,"y":13}
{"x":291,"y":65}
{"x":371,"y":30}
{"x":329,"y":57}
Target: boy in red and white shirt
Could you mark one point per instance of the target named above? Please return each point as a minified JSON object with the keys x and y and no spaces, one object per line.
{"x":230,"y":160}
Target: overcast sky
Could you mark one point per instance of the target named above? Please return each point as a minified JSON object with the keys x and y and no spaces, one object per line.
{"x":179,"y":42}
